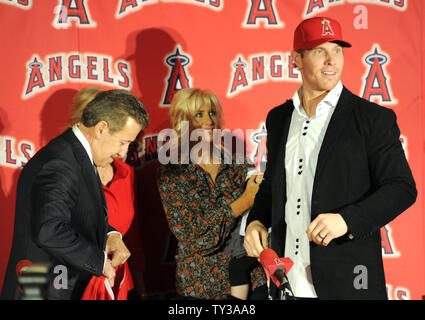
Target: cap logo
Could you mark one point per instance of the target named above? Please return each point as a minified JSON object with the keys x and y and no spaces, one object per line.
{"x":326,"y":28}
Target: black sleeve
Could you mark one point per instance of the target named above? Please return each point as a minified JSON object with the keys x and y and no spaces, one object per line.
{"x":395,"y":189}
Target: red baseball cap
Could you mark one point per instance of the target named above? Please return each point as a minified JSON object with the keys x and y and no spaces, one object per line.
{"x":314,"y":31}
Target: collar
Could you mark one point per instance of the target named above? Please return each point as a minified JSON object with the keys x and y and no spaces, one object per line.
{"x":80,"y":136}
{"x":331,"y":99}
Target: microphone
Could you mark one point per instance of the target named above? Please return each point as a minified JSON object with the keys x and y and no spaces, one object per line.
{"x":33,"y":279}
{"x":276,"y":268}
{"x":22,"y":265}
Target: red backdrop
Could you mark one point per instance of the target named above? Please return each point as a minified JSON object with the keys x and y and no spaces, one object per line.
{"x":237,"y":48}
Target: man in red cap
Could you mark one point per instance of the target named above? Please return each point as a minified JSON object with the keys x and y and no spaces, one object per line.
{"x":336,"y":173}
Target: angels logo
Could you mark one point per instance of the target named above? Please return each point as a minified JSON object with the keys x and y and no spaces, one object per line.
{"x":260,"y":155}
{"x":239,"y":78}
{"x":72,"y":10}
{"x":177,"y":78}
{"x":60,"y":68}
{"x":150,"y":149}
{"x":387,"y":243}
{"x":264,"y":11}
{"x":376,"y":83}
{"x":261,"y":68}
{"x":129,"y":6}
{"x":134,"y":158}
{"x":23,"y":4}
{"x":327,"y":29}
{"x":15,"y":154}
{"x":35,"y":77}
{"x":316,"y":6}
{"x":142,"y":152}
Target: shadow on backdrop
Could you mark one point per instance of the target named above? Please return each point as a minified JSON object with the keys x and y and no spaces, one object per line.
{"x":147,"y":50}
{"x":55,"y":113}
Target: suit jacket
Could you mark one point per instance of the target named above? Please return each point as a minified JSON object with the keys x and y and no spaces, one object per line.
{"x":60,"y":218}
{"x":362,"y":173}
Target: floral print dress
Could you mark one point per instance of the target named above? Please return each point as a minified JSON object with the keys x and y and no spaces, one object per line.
{"x":199,"y":215}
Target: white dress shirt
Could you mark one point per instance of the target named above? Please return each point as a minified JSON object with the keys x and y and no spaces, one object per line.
{"x":80,"y":136}
{"x":304,"y":141}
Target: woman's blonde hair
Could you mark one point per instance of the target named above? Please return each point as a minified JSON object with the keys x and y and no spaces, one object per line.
{"x":187,"y":102}
{"x":184,"y":106}
{"x":79,"y":102}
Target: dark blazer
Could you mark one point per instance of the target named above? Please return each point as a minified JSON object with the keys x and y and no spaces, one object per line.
{"x":362,"y":173}
{"x":60,"y":217}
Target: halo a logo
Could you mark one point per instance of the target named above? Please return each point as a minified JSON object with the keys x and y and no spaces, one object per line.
{"x":260,"y":154}
{"x":376,"y":85}
{"x":178,"y":78}
{"x":327,"y":29}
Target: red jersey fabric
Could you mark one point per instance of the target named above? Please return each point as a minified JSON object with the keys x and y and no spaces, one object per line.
{"x":99,"y":288}
{"x":119,"y":194}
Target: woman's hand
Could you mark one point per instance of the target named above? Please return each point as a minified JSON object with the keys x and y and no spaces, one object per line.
{"x":252,"y":187}
{"x":246,"y":200}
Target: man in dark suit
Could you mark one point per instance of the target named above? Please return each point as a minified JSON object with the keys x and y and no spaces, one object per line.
{"x":61,"y":216}
{"x":336,"y":173}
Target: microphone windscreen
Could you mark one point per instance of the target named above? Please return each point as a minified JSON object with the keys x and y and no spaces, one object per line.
{"x":21,"y":265}
{"x":268,"y":254}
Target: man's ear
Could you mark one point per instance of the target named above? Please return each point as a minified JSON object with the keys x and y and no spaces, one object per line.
{"x":296,"y":59}
{"x":100,"y":128}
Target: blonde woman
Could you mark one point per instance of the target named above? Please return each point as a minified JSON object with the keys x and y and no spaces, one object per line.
{"x":203,"y":199}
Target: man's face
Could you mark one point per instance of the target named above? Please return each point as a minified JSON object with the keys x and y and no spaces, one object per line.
{"x":109,"y":146}
{"x":321,"y":67}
